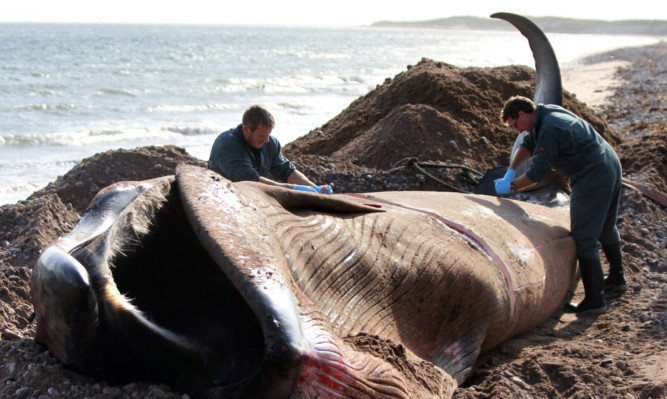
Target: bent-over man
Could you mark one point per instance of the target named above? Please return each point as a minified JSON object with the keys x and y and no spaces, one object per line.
{"x":561,"y":140}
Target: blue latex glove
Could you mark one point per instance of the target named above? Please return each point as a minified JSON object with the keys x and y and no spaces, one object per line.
{"x":503,"y":185}
{"x":311,"y":189}
{"x":326,"y":189}
{"x":315,"y":189}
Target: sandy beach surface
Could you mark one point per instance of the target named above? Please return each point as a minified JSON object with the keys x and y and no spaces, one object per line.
{"x":593,"y":83}
{"x":620,"y":354}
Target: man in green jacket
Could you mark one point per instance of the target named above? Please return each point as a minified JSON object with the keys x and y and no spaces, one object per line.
{"x":564,"y":142}
{"x":249,"y":152}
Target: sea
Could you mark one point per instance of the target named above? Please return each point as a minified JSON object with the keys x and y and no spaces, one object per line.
{"x":69,"y":91}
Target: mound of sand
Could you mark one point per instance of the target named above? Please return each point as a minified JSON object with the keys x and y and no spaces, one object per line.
{"x":434,"y":112}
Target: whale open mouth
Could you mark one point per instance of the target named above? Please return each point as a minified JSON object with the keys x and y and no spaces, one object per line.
{"x":174,"y":281}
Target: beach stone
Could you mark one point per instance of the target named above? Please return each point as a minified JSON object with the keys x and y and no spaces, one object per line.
{"x":157,"y":391}
{"x":10,"y":335}
{"x":23,"y":392}
{"x":518,"y":381}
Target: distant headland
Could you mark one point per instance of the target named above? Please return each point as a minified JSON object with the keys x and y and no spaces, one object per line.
{"x":548,"y":24}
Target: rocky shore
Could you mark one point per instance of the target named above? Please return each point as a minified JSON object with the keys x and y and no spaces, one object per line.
{"x":621,"y":354}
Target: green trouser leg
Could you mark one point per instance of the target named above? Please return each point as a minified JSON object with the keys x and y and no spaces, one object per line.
{"x":616,"y":280}
{"x":593,"y":280}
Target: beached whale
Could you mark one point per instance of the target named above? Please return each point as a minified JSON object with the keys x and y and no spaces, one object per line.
{"x":228,"y":290}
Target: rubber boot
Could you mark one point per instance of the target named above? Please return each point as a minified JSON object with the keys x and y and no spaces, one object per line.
{"x":592,"y":278}
{"x":615,"y":281}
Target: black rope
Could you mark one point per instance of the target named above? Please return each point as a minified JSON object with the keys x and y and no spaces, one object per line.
{"x":466,"y":175}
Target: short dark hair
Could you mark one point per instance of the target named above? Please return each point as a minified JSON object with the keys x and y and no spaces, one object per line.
{"x":256,"y":115}
{"x":514,"y":105}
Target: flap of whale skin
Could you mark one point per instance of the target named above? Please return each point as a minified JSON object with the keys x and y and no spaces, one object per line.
{"x":303,"y":355}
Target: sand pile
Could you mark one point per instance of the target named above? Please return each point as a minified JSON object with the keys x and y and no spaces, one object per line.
{"x":434,"y":112}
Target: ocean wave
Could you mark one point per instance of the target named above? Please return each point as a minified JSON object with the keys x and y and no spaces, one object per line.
{"x":48,"y":108}
{"x":19,"y":179}
{"x":191,"y":108}
{"x":46,"y":92}
{"x":190,"y":131}
{"x":75,"y":139}
{"x":12,"y":193}
{"x":106,"y":136}
{"x":302,"y":84}
{"x":115,"y":92}
{"x":20,"y":140}
{"x":307,"y":54}
{"x":105,"y":132}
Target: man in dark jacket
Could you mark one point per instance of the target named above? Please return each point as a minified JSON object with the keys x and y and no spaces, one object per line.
{"x":249,"y":152}
{"x":560,"y":140}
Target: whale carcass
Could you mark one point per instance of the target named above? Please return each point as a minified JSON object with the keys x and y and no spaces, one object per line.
{"x":241,"y":290}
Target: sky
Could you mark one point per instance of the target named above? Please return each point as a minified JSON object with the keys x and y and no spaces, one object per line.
{"x":311,"y":12}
